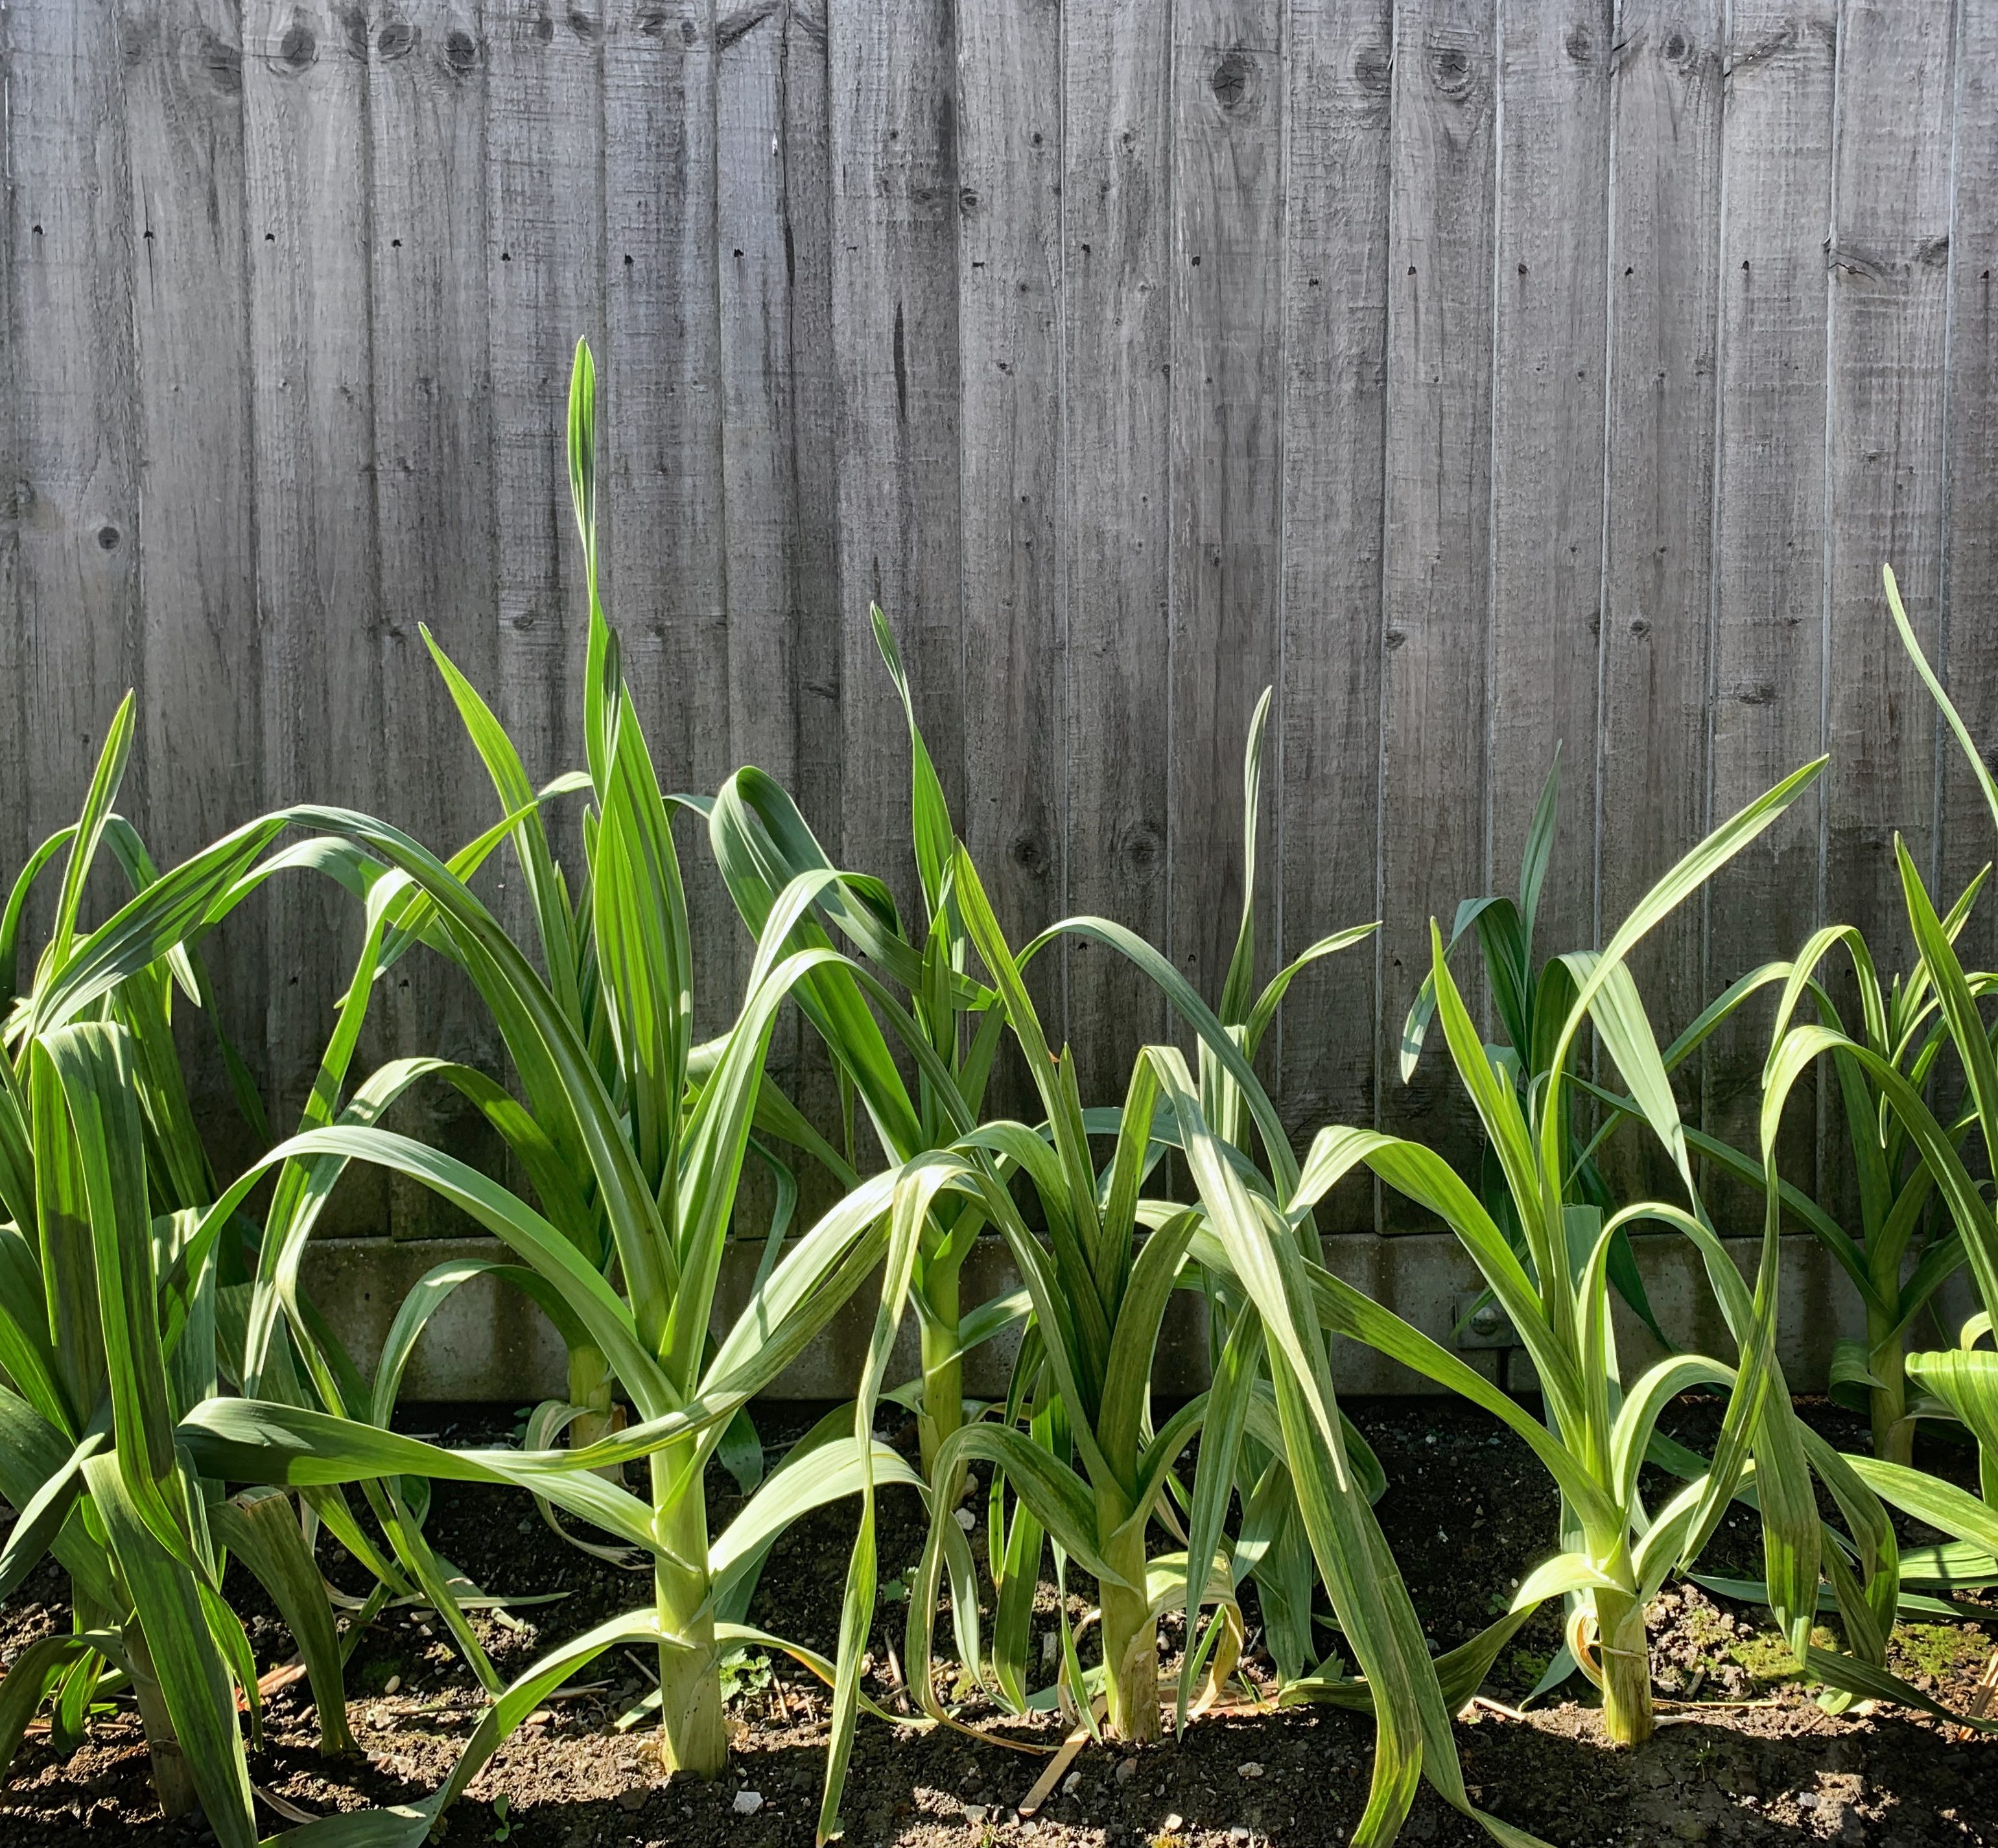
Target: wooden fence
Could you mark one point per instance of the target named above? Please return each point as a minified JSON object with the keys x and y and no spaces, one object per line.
{"x":1482,"y":374}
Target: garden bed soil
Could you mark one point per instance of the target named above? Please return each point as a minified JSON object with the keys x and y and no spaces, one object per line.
{"x":1747,"y":1756}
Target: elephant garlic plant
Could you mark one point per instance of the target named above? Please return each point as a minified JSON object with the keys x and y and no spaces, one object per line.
{"x":115,"y":1321}
{"x":1600,"y":1431}
{"x":1076,"y":1447}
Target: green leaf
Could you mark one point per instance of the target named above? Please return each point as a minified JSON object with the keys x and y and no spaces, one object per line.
{"x":262,"y":1529}
{"x":97,"y":805}
{"x":929,"y":812}
{"x":35,"y":1527}
{"x":193,"y":1676}
{"x":1540,"y":846}
{"x":1240,"y":984}
{"x":1985,"y":781}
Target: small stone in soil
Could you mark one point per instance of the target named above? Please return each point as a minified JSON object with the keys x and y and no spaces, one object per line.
{"x":747,"y":1802}
{"x":1252,"y":1768}
{"x":633,"y":1800}
{"x":1127,"y":1769}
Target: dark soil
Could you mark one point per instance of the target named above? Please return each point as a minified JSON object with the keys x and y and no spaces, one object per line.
{"x":1746,"y":1756}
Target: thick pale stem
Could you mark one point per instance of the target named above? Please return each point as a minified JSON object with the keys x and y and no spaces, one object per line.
{"x":1625,"y":1656}
{"x":1893,"y":1430}
{"x":172,"y":1780}
{"x":943,"y":1373}
{"x":1130,"y":1652}
{"x":692,"y":1736}
{"x":590,"y":1384}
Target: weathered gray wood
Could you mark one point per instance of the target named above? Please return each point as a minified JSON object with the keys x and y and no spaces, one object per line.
{"x":544,"y":264}
{"x":1889,"y":271}
{"x":75,"y":405}
{"x":1337,"y":125}
{"x":305,"y":104}
{"x":759,"y":480}
{"x":434,"y":507}
{"x":1547,"y":366}
{"x":817,"y":652}
{"x":905,"y":303}
{"x":1436,"y":564}
{"x":1227,"y":428}
{"x":183,"y":64}
{"x":1116,"y":62}
{"x":759,"y":477}
{"x":13,"y":842}
{"x":1009,"y":263}
{"x":1658,"y":555}
{"x":660,"y":428}
{"x":895,"y":335}
{"x":1888,"y":263}
{"x":1769,"y":530}
{"x":812,"y":559}
{"x":1968,"y":641}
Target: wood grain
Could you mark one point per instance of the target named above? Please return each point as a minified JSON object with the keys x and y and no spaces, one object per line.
{"x":1480,"y":375}
{"x":892,"y":72}
{"x":1968,"y":641}
{"x":1338,"y":129}
{"x":306,"y":143}
{"x":75,"y":409}
{"x":195,"y":539}
{"x":14,"y":843}
{"x":1116,"y":198}
{"x":437,"y":553}
{"x":659,"y":431}
{"x":1227,"y":459}
{"x":812,"y":559}
{"x":1658,"y":553}
{"x":1437,"y":563}
{"x":1769,"y":529}
{"x":1890,"y":282}
{"x":544,"y":263}
{"x":1009,"y":266}
{"x":1548,"y":364}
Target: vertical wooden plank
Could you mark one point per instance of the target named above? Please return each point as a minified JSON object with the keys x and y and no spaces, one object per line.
{"x":1768,"y":614}
{"x":434,"y":505}
{"x":660,"y":429}
{"x":1968,"y":641}
{"x":1436,"y":567}
{"x":544,"y":261}
{"x":760,"y":478}
{"x":1337,"y":125}
{"x":1550,"y":348}
{"x":1889,"y":311}
{"x":1009,"y":108}
{"x":13,"y":842}
{"x":1117,"y":207}
{"x":813,"y":610}
{"x":777,"y":304}
{"x":818,"y":649}
{"x":1657,"y":545}
{"x":895,"y":335}
{"x":1227,"y":450}
{"x":75,"y":407}
{"x":759,"y":493}
{"x":195,"y":539}
{"x":306,"y":143}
